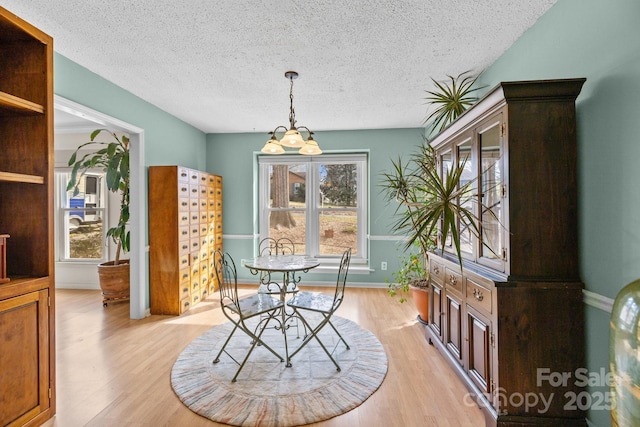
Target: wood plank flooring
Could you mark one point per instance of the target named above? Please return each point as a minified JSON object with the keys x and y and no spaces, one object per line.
{"x":113,"y":371}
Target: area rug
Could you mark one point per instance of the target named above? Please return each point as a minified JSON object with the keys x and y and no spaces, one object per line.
{"x":267,"y":393}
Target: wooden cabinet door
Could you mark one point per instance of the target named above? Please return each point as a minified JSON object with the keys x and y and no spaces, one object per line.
{"x":479,"y":349}
{"x":453,"y":325}
{"x":24,"y":358}
{"x":435,"y":309}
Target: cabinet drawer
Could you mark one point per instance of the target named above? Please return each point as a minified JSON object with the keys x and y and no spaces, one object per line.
{"x":194,"y":231}
{"x":453,"y":281}
{"x":183,"y":232}
{"x":194,"y":177}
{"x":194,"y":190}
{"x":195,"y":297}
{"x":183,"y":175}
{"x":478,"y":296}
{"x":183,"y":204}
{"x":183,"y":247}
{"x":185,"y":276}
{"x":184,"y":291}
{"x":436,"y":271}
{"x":183,"y":189}
{"x":183,"y":219}
{"x":185,"y":304}
{"x":183,"y":261}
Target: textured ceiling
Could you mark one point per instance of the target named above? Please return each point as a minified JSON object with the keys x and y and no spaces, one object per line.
{"x":219,"y":65}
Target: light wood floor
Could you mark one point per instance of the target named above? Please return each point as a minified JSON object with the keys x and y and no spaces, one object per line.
{"x":113,"y":371}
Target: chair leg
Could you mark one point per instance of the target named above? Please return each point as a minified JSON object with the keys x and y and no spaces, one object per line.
{"x":338,"y":333}
{"x":313,"y":333}
{"x":255,"y":339}
{"x":217,"y":359}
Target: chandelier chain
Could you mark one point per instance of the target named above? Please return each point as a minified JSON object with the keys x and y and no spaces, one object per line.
{"x":292,"y":113}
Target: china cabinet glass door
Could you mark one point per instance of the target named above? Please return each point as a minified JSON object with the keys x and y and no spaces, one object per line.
{"x":491,"y":187}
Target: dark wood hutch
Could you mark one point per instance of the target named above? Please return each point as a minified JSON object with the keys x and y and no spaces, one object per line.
{"x":512,"y":315}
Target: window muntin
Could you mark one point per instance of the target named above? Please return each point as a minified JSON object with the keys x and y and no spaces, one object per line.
{"x":81,"y":217}
{"x":319,"y":203}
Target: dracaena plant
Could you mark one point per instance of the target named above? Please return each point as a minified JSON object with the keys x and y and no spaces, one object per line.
{"x":113,"y":157}
{"x":450,"y":99}
{"x":430,"y":206}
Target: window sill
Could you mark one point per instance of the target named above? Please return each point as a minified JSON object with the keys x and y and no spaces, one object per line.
{"x":353,"y":269}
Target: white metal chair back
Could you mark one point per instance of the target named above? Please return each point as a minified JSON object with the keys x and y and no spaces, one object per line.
{"x":281,"y":246}
{"x":227,"y":279}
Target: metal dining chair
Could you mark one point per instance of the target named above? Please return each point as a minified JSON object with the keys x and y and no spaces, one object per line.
{"x":325,"y":305}
{"x":281,"y":246}
{"x":240,"y":310}
{"x":271,"y":246}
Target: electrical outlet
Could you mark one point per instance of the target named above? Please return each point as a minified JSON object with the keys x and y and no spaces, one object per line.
{"x":383,"y":265}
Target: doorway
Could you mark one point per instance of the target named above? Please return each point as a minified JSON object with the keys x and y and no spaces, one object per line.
{"x":81,"y":116}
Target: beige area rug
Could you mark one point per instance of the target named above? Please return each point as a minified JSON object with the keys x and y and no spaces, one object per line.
{"x":267,"y":393}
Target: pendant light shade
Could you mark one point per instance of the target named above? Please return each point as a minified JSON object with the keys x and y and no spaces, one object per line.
{"x":272,"y":147}
{"x":310,"y":148}
{"x":292,"y":138}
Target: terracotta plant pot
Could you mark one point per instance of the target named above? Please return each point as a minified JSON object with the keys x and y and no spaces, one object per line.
{"x":421,"y":300}
{"x":114,"y":281}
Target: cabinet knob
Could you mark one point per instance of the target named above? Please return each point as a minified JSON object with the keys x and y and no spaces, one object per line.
{"x":477,"y":294}
{"x":453,"y":280}
{"x":436,"y":269}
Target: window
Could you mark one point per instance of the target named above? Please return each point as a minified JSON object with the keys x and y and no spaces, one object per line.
{"x":319,"y":203}
{"x":81,"y":217}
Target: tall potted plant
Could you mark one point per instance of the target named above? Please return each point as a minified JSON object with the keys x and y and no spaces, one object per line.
{"x":114,"y":158}
{"x":430,"y":205}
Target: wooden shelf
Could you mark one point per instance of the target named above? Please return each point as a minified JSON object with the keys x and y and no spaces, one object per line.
{"x":18,"y":285}
{"x":13,"y":104}
{"x":21,"y":177}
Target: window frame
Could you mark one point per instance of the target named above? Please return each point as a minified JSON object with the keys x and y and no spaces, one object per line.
{"x":312,"y":206}
{"x":61,"y":180}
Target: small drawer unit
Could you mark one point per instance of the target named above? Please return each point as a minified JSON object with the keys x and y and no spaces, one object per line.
{"x":185,"y":224}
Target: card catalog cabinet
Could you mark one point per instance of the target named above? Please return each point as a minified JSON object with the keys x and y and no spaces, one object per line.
{"x":514,"y":309}
{"x":185,"y":228}
{"x":27,"y":350}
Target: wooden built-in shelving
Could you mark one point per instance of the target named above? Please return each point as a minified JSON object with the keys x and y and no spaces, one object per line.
{"x":27,"y":317}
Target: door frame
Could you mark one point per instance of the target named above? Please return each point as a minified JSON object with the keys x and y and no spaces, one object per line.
{"x":139,"y":268}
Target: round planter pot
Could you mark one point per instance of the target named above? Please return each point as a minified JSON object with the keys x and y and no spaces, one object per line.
{"x":421,"y":300}
{"x":114,"y":281}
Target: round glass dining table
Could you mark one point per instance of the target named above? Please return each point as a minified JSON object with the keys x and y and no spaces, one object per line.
{"x":289,"y":266}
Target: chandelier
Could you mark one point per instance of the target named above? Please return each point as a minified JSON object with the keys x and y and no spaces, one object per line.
{"x":291,"y":138}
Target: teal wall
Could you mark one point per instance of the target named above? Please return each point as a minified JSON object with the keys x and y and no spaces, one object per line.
{"x":168,"y":140}
{"x":234,"y":157}
{"x":599,"y":40}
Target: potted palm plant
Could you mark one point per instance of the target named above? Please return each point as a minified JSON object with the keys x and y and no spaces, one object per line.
{"x":114,"y":158}
{"x":430,"y":205}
